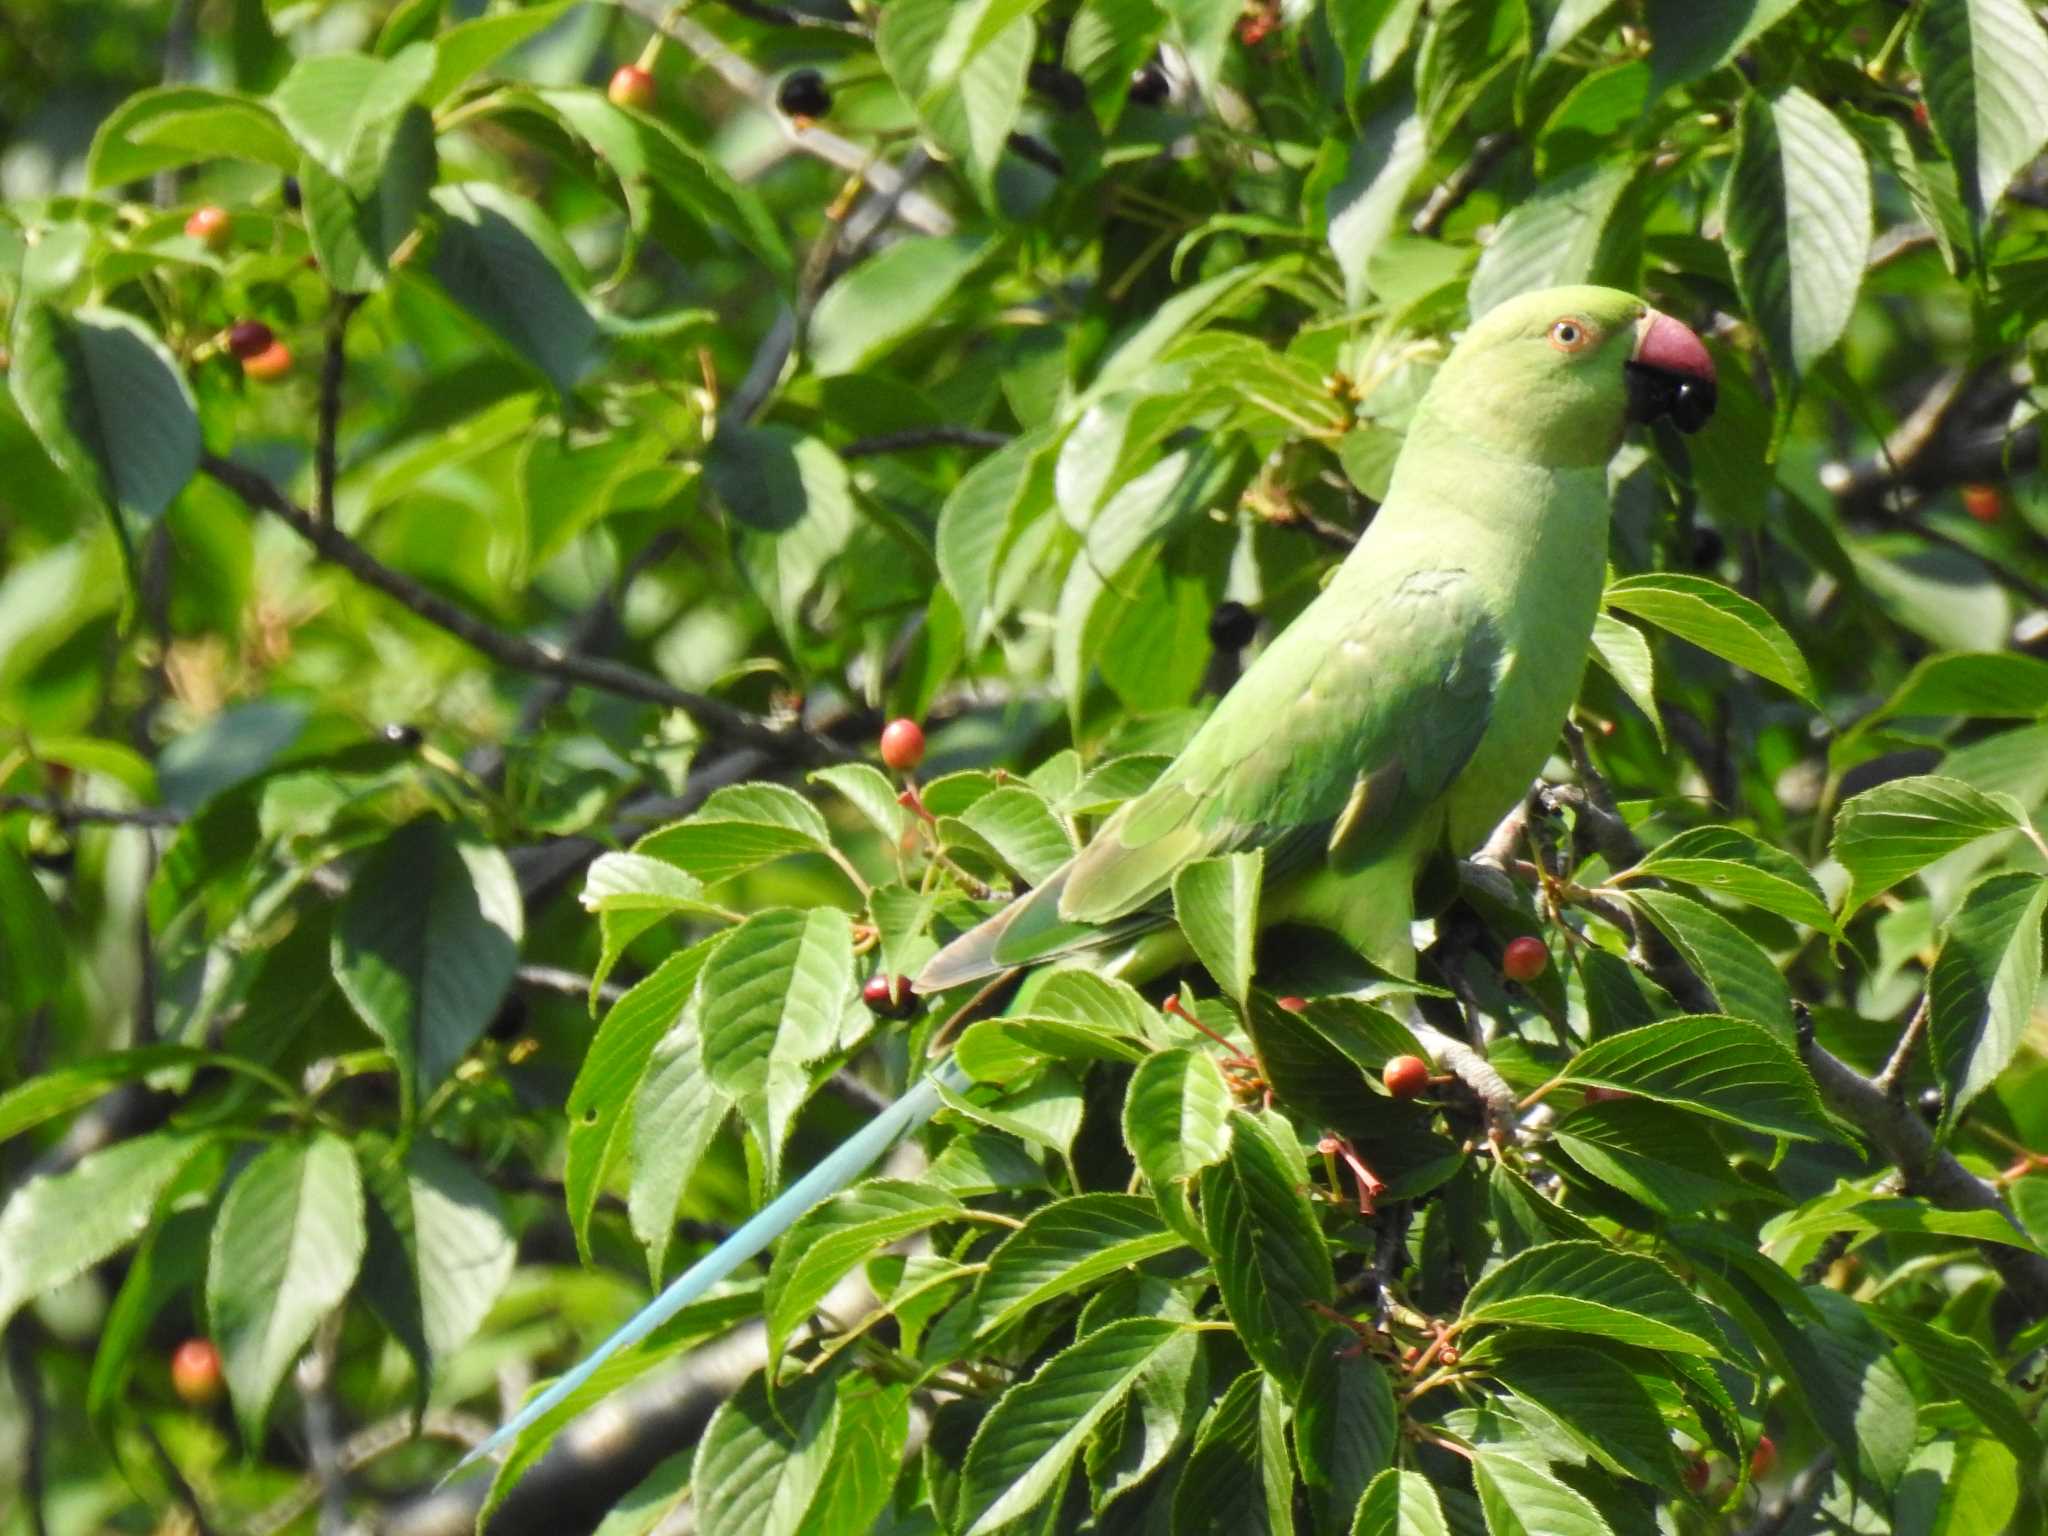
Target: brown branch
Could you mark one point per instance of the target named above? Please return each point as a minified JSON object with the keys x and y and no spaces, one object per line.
{"x":781,"y":16}
{"x":1891,"y":1080}
{"x":28,"y":1390}
{"x":331,"y":368}
{"x":911,"y":439}
{"x":1450,"y":195}
{"x":549,"y":978}
{"x":74,"y":813}
{"x":515,"y":651}
{"x":1955,"y":435}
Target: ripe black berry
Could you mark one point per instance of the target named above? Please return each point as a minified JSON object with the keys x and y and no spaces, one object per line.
{"x":1707,"y":548}
{"x":1930,"y":1103}
{"x":1232,"y":626}
{"x":887,"y":1002}
{"x":292,"y":196}
{"x":803,"y":94}
{"x":1149,"y":86}
{"x":399,"y":735}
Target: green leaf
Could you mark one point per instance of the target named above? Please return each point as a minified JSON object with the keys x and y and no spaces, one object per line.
{"x":354,"y":234}
{"x":344,"y":109}
{"x":1797,"y":218}
{"x":1986,"y":685}
{"x":889,"y":296}
{"x":438,"y":1253}
{"x":631,"y":892}
{"x":1980,"y":64}
{"x":772,"y":998}
{"x":1346,"y":1428}
{"x":34,"y":956}
{"x":109,"y":405}
{"x":1715,"y":619}
{"x":794,"y":498}
{"x":762,"y":1461}
{"x":601,"y":1105}
{"x":58,"y":1225}
{"x":1962,"y":1366}
{"x":1060,"y":1248}
{"x":871,"y":793}
{"x":836,"y":1238}
{"x":425,"y":947}
{"x":1237,"y":1481}
{"x":1016,"y":825}
{"x":173,"y":125}
{"x":1981,"y":991}
{"x":867,"y":1450}
{"x":470,"y":46}
{"x":981,"y":518}
{"x":1177,"y":1116}
{"x":1896,"y":1214}
{"x":1583,"y":1287}
{"x":501,"y":259}
{"x":1363,"y":207}
{"x":1216,"y":902}
{"x":677,"y":1110}
{"x":62,"y":1089}
{"x":1399,"y":1503}
{"x":1897,"y":829}
{"x":1624,"y":655}
{"x":1599,"y":1401}
{"x":1522,"y":1499}
{"x":740,"y":827}
{"x":1555,"y":235}
{"x":1656,"y":1155}
{"x":1022,"y":1451}
{"x":286,"y":1247}
{"x":1271,"y":1260}
{"x":1738,"y":866}
{"x":1728,"y":1068}
{"x":1687,"y":41}
{"x":965,"y":81}
{"x":1742,"y":977}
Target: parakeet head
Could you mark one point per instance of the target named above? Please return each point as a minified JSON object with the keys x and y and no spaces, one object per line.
{"x":1555,"y":375}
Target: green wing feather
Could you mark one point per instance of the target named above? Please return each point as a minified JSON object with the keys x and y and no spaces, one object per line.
{"x":1352,"y":723}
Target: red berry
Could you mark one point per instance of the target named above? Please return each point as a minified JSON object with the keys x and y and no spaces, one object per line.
{"x":902,"y":745}
{"x":1983,"y":502}
{"x":273,"y":362}
{"x":1598,"y":1095}
{"x":632,"y":86}
{"x":195,"y":1372}
{"x":246,"y":338}
{"x":1920,"y":113}
{"x":1406,"y":1076}
{"x":1293,"y":1004}
{"x":1525,"y":959}
{"x":1695,"y":1475}
{"x":1763,"y":1458}
{"x":889,"y":997}
{"x":210,"y":226}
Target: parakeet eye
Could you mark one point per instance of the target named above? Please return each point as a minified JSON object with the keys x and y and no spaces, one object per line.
{"x":1568,"y":335}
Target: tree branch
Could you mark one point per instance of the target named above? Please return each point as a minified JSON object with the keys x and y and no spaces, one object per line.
{"x":516,"y":651}
{"x":331,"y":369}
{"x":1451,"y":193}
{"x":912,"y":439}
{"x":74,"y":813}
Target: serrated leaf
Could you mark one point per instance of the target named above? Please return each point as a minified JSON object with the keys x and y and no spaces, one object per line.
{"x":962,"y":67}
{"x":355,"y":234}
{"x":1060,"y":1248}
{"x":676,"y":1113}
{"x":836,"y":1238}
{"x":1715,"y":619}
{"x":630,"y":893}
{"x":1654,"y":1155}
{"x":344,"y":109}
{"x":602,"y":1099}
{"x":1216,"y":902}
{"x":1271,"y":1260}
{"x":1022,"y":1451}
{"x":286,"y":1247}
{"x":887,"y":297}
{"x":1237,"y":1478}
{"x":173,"y":125}
{"x":109,"y":405}
{"x":1982,"y":989}
{"x":1986,"y":685}
{"x":1980,"y":64}
{"x":1624,"y":655}
{"x":869,"y":791}
{"x":1797,"y":220}
{"x":501,"y":258}
{"x":1362,"y":208}
{"x":1728,"y":1068}
{"x":1523,"y":1499}
{"x":1398,"y":1503}
{"x":772,"y":997}
{"x":1177,"y":1116}
{"x":1346,"y":1428}
{"x":738,"y":828}
{"x":1963,"y":1366}
{"x":982,"y":516}
{"x":1687,"y":41}
{"x":425,"y":947}
{"x":1737,"y":865}
{"x":1885,"y":834}
{"x":1743,"y":978}
{"x":470,"y":46}
{"x":1899,"y":1214}
{"x":1584,"y":1287}
{"x":1593,"y":1396}
{"x":762,"y":1460}
{"x":1019,"y":828}
{"x":57,"y":1225}
{"x":1553,"y":236}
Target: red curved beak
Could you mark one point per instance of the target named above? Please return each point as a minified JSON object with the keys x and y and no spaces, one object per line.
{"x":1670,"y":374}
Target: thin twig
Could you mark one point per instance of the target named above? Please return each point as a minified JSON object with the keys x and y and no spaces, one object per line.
{"x":73,"y":813}
{"x":28,"y":1390}
{"x":315,"y":1375}
{"x":549,"y":978}
{"x":1892,"y":1079}
{"x":911,"y":439}
{"x":516,"y":651}
{"x":1450,"y":195}
{"x":780,"y":16}
{"x":1812,"y":1479}
{"x":332,"y":367}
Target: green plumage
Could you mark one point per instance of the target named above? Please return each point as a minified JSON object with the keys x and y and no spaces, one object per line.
{"x":1416,"y":698}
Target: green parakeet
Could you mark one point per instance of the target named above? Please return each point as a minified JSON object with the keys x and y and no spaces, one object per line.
{"x":1416,"y":698}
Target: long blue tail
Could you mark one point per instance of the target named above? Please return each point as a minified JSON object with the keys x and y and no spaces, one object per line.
{"x":847,"y":1163}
